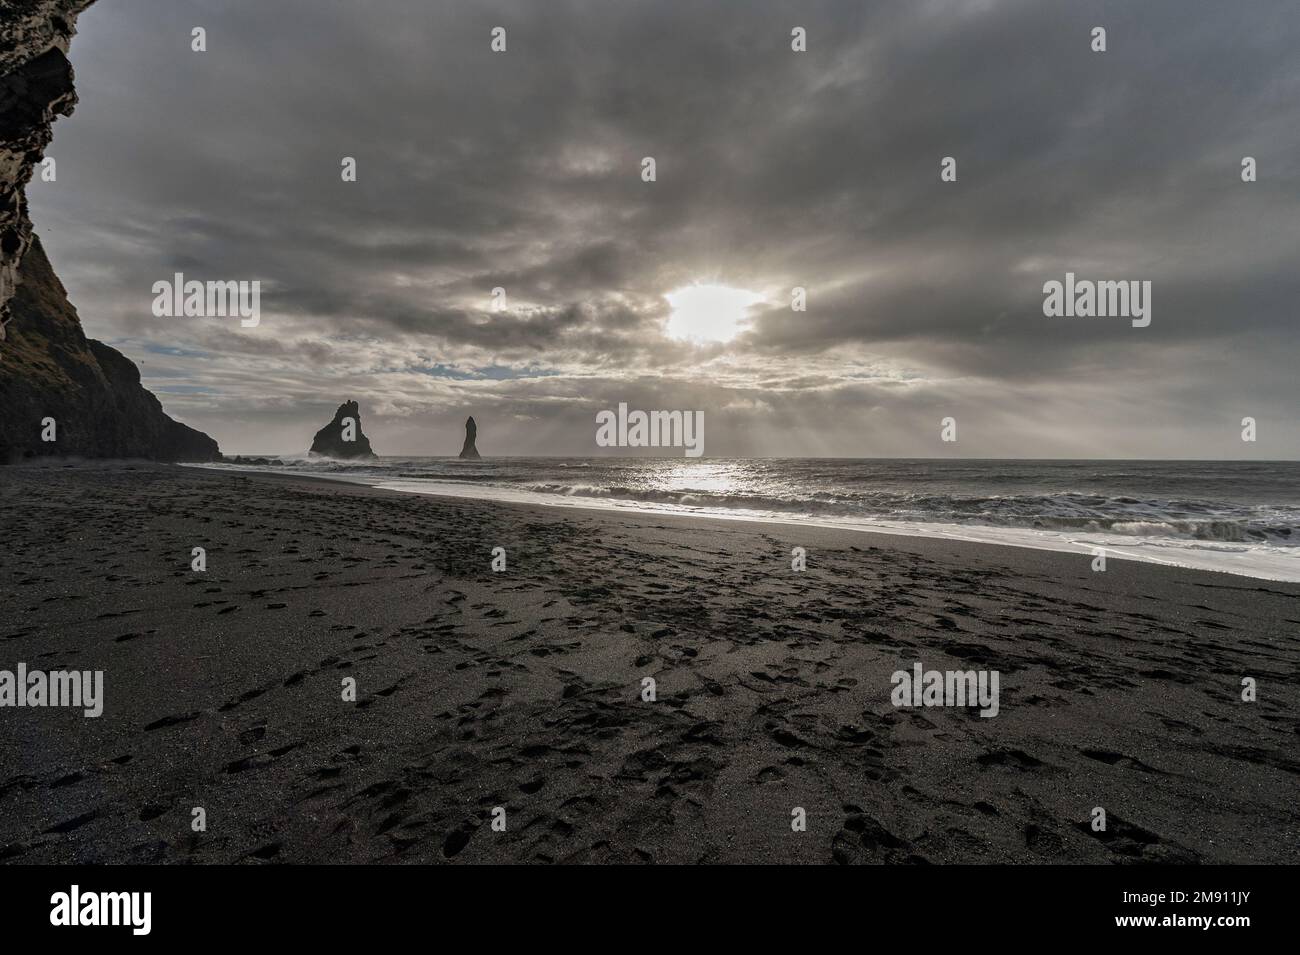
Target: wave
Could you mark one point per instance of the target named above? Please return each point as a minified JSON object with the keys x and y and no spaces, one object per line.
{"x":1070,"y":512}
{"x":1243,"y":517}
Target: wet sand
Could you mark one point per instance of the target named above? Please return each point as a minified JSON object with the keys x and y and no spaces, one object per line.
{"x":523,"y":689}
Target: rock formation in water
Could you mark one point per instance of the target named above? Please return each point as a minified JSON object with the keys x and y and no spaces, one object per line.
{"x":60,"y":392}
{"x":467,"y":449}
{"x":343,"y":438}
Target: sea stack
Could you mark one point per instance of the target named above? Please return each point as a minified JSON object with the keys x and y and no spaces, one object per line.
{"x":468,"y":451}
{"x":343,"y":437}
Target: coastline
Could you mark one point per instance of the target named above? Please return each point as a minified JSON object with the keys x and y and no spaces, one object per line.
{"x":1215,"y":557}
{"x":520,"y":689}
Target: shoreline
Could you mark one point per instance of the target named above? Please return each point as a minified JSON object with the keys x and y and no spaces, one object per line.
{"x":1272,"y":567}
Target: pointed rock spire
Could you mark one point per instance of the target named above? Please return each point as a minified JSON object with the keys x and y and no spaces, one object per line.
{"x":468,"y":451}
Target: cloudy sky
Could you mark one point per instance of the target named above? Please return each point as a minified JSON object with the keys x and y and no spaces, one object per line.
{"x":775,"y":169}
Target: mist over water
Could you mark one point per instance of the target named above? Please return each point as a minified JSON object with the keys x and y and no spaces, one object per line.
{"x":1241,"y":517}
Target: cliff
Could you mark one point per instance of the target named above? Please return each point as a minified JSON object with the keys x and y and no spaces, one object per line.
{"x":35,"y":88}
{"x":48,"y":368}
{"x":338,"y":439}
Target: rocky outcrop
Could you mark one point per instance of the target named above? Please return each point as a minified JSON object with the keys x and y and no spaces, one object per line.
{"x":60,"y":392}
{"x":343,"y":437}
{"x":50,"y":372}
{"x":468,"y":451}
{"x":35,"y":88}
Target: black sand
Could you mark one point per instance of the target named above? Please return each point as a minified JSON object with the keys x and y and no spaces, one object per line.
{"x":522,"y":689}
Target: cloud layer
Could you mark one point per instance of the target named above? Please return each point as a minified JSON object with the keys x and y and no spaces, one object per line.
{"x":775,"y":169}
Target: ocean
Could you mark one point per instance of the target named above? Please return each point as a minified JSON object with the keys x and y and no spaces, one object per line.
{"x":1240,"y":517}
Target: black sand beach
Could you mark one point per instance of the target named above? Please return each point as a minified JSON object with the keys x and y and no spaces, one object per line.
{"x":522,"y":689}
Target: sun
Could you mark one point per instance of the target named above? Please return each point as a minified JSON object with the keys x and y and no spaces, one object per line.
{"x":709,"y":313}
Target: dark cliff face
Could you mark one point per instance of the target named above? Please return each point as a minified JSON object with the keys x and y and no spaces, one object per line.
{"x":35,"y":88}
{"x":468,"y":450}
{"x":48,"y":368}
{"x":331,"y":442}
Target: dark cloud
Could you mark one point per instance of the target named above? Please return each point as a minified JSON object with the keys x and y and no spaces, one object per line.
{"x":775,"y":169}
